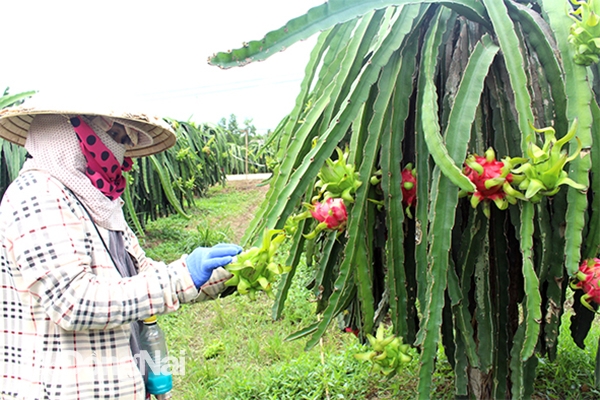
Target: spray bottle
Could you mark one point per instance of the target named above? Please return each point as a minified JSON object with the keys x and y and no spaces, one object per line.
{"x":154,"y":350}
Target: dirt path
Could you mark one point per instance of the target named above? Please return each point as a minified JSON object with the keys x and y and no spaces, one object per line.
{"x":242,"y":222}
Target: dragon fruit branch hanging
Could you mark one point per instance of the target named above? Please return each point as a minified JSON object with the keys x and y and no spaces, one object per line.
{"x":409,"y":80}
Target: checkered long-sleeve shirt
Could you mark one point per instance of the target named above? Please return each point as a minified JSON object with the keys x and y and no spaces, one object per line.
{"x":65,"y":309}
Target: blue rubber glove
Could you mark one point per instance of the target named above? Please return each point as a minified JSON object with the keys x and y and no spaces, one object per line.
{"x":204,"y":260}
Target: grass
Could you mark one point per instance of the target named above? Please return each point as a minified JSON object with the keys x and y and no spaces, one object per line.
{"x":571,"y":376}
{"x":232,"y":349}
{"x":221,"y":216}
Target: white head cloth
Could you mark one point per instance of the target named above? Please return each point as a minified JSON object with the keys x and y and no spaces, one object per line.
{"x":55,"y":148}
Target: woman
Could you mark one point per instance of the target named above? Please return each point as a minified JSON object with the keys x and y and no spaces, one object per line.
{"x":74,"y":281}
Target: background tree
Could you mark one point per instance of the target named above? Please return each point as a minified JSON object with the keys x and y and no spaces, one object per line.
{"x":249,"y":151}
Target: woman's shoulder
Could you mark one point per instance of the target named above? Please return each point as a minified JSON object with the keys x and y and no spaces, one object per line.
{"x":33,"y":181}
{"x":36,"y":196}
{"x":37,"y":185}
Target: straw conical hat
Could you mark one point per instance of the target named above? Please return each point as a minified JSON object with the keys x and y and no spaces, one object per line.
{"x":15,"y":122}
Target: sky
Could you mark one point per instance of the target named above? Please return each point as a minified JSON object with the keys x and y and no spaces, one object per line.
{"x":152,"y":55}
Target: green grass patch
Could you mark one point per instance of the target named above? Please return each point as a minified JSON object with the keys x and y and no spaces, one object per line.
{"x":571,"y":375}
{"x":225,"y":202}
{"x":219,"y":217}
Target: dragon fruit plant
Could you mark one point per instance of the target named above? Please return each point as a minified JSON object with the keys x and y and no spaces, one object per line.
{"x":492,"y":179}
{"x":543,"y":172}
{"x":585,"y":31}
{"x":422,"y":83}
{"x":588,"y":280}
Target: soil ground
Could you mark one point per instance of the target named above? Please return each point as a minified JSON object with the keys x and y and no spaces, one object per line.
{"x":241,"y":222}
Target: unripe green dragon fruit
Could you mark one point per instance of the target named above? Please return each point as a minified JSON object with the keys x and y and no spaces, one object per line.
{"x":492,"y":181}
{"x":256,"y":269}
{"x":588,"y":280}
{"x":585,"y":31}
{"x":388,"y":354}
{"x":337,"y":179}
{"x":543,"y":172}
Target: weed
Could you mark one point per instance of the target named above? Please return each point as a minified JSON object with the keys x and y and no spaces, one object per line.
{"x":571,"y":376}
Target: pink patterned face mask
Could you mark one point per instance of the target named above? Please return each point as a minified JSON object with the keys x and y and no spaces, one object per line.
{"x":103,"y":169}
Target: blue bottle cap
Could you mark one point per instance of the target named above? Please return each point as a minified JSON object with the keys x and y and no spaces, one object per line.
{"x":159,"y":384}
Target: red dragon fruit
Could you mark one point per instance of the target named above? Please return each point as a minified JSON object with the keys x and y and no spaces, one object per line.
{"x":492,"y":180}
{"x":351,"y":330}
{"x":589,"y":281}
{"x":409,"y":188}
{"x":331,"y":214}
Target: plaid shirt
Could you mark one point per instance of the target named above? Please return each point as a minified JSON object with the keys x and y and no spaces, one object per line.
{"x":64,"y":328}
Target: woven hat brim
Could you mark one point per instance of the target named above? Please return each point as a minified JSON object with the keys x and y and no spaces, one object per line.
{"x":15,"y":123}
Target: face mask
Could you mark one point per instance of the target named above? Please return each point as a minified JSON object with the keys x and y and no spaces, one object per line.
{"x":103,"y":169}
